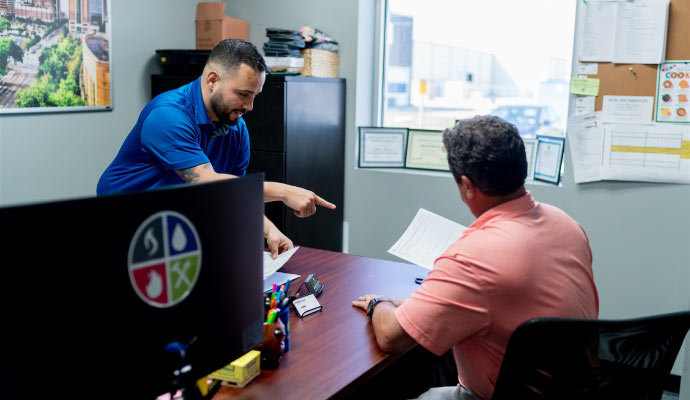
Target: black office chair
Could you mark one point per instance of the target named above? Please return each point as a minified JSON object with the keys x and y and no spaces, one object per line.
{"x":569,"y":359}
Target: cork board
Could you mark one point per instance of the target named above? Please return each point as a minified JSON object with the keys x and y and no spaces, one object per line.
{"x":618,"y":80}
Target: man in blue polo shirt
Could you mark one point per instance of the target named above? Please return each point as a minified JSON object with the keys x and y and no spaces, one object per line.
{"x":196,"y":134}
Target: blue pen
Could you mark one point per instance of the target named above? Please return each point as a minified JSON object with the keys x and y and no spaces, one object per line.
{"x":287,"y":286}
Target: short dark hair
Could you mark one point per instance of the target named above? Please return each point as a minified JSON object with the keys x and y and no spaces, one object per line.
{"x":231,"y":53}
{"x":489,"y":151}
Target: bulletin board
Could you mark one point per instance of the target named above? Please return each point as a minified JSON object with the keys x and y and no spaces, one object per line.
{"x":618,"y":80}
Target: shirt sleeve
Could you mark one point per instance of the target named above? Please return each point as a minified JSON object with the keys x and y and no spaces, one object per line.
{"x":240,"y":166}
{"x":170,"y":136}
{"x":449,"y":307}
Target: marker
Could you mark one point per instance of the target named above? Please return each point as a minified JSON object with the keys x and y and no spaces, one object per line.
{"x":275,"y":287}
{"x":287,"y":286}
{"x":272,"y":316}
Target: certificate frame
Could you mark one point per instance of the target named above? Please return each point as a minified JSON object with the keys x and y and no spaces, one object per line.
{"x":531,"y":153}
{"x":546,"y":152}
{"x":367,"y":157}
{"x":415,"y":139}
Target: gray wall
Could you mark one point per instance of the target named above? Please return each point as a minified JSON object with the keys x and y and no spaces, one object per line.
{"x":57,"y":156}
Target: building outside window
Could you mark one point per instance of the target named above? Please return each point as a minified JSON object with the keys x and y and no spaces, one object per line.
{"x":446,"y":60}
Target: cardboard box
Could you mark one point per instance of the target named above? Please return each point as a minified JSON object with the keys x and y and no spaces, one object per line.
{"x":212,"y":25}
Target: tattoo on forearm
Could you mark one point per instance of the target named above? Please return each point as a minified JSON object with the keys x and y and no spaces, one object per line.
{"x":191,"y":175}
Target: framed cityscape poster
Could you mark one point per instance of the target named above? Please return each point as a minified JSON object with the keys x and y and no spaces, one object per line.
{"x":55,"y":56}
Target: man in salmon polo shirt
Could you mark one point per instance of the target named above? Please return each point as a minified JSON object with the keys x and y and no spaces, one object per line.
{"x":520,"y":259}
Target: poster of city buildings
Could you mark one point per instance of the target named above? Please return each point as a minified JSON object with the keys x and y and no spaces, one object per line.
{"x":54,"y":55}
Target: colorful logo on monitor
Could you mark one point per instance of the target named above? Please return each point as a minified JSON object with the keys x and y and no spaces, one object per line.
{"x":164,"y":259}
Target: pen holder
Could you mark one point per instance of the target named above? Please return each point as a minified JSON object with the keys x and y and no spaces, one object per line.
{"x":284,"y":316}
{"x":272,"y":347}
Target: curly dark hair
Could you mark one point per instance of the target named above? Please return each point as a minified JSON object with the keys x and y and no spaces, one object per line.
{"x":489,"y":151}
{"x":231,"y":53}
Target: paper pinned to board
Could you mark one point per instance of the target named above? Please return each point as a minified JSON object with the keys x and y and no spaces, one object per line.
{"x":586,"y":142}
{"x":271,"y":265}
{"x":427,"y":237}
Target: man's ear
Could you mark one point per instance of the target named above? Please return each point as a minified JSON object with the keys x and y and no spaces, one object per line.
{"x":212,"y":79}
{"x":468,"y":187}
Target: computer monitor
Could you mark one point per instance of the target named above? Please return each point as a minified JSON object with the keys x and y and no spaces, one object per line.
{"x":100,"y":295}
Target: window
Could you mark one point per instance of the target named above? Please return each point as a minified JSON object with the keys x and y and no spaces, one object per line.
{"x":446,"y":60}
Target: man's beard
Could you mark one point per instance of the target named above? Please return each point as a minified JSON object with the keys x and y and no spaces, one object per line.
{"x":222,"y":111}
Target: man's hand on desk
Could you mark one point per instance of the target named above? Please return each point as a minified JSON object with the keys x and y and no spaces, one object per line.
{"x":276,"y":241}
{"x":390,"y":336}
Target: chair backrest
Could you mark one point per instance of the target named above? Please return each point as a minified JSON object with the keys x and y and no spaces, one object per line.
{"x":568,"y":359}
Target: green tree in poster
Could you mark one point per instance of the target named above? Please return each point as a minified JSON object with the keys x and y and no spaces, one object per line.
{"x":8,"y":48}
{"x":57,"y":77}
{"x":34,"y":96}
{"x":5,"y":24}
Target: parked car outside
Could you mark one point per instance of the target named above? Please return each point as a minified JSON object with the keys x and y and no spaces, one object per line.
{"x":531,"y":120}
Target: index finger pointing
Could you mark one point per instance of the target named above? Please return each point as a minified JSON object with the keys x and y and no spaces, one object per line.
{"x":324,"y":203}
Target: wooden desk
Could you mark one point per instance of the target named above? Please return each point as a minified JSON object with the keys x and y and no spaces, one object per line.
{"x":334,"y":351}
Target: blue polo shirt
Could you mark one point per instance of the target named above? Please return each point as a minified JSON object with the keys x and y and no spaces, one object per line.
{"x":173,"y":133}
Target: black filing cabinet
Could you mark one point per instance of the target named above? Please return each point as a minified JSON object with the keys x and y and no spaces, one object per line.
{"x":296,"y":131}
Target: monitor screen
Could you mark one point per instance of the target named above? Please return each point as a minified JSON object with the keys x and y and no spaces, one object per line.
{"x":100,"y":295}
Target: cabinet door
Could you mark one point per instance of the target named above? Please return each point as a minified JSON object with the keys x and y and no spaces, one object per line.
{"x":272,"y":164}
{"x":266,"y":122}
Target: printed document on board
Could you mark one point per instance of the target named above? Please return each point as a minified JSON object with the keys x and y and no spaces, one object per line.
{"x":585,"y":136}
{"x":641,"y":28}
{"x":598,"y":33}
{"x":427,"y":237}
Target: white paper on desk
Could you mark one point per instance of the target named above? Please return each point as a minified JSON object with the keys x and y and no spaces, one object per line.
{"x":427,"y":237}
{"x":641,"y":28}
{"x":585,"y":137}
{"x":598,"y":32}
{"x":271,"y":265}
{"x":627,"y":109}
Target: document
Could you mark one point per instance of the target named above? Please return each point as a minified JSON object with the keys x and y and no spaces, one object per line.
{"x":426,"y":151}
{"x":531,"y":153}
{"x":641,"y":28}
{"x":278,"y":278}
{"x":271,"y":265}
{"x":549,"y":158}
{"x":648,"y":153}
{"x":586,"y":87}
{"x":427,"y":237}
{"x":627,"y":109}
{"x":382,"y":147}
{"x":584,"y":105}
{"x":598,"y":33}
{"x":587,"y":68}
{"x":585,"y":136}
{"x":673,"y":92}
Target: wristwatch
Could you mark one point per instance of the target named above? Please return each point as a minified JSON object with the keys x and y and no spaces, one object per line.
{"x":374,"y":302}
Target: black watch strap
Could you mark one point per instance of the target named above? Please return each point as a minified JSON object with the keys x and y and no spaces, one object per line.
{"x":374,"y":302}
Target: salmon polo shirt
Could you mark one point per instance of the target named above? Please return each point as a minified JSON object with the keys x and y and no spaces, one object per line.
{"x":517,"y":261}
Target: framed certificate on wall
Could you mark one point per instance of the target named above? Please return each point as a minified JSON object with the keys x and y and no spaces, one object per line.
{"x":382,"y":147}
{"x":549,"y":159}
{"x":425,"y":150}
{"x":531,"y":152}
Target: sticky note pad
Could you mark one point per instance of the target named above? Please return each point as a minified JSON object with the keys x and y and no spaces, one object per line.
{"x":586,"y":87}
{"x":241,"y":371}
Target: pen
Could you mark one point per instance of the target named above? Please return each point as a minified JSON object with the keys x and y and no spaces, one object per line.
{"x":287,"y":286}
